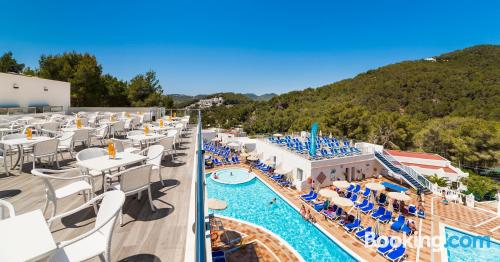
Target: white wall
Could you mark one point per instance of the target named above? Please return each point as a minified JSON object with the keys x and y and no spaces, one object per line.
{"x":33,"y":91}
{"x":286,"y":159}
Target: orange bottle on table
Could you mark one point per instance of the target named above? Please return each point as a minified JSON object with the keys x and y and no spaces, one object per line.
{"x":146,"y":130}
{"x":111,"y":150}
{"x":161,"y":122}
{"x":78,"y":123}
{"x":29,"y":133}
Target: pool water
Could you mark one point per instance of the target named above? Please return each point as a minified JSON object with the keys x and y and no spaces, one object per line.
{"x":466,"y":254}
{"x":232,"y":176}
{"x":250,"y":201}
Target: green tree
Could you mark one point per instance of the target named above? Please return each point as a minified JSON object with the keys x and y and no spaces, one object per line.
{"x":116,"y":91}
{"x":82,"y":71}
{"x":435,"y":179}
{"x":482,"y":187}
{"x":145,"y":90}
{"x":9,"y":64}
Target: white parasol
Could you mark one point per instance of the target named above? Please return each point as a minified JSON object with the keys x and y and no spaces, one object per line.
{"x":342,"y":184}
{"x":216,"y":204}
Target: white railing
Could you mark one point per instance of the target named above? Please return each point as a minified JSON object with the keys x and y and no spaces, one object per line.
{"x":410,"y":171}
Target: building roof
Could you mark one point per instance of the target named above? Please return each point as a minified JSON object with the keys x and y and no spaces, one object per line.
{"x":428,"y":156}
{"x":445,"y":168}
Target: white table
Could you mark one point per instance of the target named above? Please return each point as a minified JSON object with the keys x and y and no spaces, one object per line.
{"x":158,"y":129}
{"x":144,"y":139}
{"x":25,"y":237}
{"x":74,"y":128}
{"x":104,"y":163}
{"x":20,"y":143}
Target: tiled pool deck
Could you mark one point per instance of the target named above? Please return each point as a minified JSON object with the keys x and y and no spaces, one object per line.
{"x":457,"y":215}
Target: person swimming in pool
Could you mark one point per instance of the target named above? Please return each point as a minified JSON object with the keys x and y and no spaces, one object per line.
{"x":216,"y":176}
{"x":231,"y":173}
{"x":273,"y":201}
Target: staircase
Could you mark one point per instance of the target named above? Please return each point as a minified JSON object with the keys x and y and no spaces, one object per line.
{"x":411,"y":177}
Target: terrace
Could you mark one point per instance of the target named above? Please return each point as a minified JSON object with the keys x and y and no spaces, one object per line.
{"x":144,"y":235}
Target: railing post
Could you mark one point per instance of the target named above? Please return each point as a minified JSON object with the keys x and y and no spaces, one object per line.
{"x":200,"y":200}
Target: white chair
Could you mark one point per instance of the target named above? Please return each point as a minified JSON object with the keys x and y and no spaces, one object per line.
{"x":97,"y":241}
{"x":128,"y":124}
{"x":3,"y":158}
{"x":52,"y":195}
{"x":124,"y":146}
{"x":168,"y":146}
{"x":66,"y":143}
{"x":133,"y":181}
{"x":101,"y":133}
{"x":4,"y":205}
{"x":81,"y":136}
{"x":155,"y":155}
{"x":118,"y":128}
{"x":49,"y":128}
{"x":47,"y":148}
{"x":89,"y":153}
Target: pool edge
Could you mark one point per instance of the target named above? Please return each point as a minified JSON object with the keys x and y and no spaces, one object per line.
{"x":295,"y":252}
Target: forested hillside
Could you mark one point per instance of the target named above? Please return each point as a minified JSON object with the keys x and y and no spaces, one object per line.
{"x":450,"y":106}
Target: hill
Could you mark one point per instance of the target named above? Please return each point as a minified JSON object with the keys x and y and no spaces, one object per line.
{"x":263,"y":97}
{"x":449,"y":106}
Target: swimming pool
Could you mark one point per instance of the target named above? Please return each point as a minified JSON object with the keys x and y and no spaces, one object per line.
{"x":459,"y":253}
{"x":232,"y":176}
{"x":250,"y":201}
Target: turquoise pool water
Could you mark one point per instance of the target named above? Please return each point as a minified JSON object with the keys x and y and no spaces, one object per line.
{"x":233,"y":176}
{"x":466,"y":254}
{"x":250,"y":201}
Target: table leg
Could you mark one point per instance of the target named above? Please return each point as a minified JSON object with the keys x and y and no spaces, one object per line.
{"x":18,"y":157}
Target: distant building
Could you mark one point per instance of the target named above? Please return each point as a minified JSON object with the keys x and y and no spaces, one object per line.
{"x":18,"y":90}
{"x":207,"y":103}
{"x":428,"y":164}
{"x":431,"y":59}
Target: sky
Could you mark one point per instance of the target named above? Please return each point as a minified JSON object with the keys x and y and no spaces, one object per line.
{"x":247,"y":46}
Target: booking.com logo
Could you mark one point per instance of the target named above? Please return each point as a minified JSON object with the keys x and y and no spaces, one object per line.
{"x":434,"y":242}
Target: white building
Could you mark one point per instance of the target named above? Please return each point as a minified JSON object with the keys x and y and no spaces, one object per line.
{"x":428,"y":164}
{"x":26,"y":91}
{"x":323,"y":171}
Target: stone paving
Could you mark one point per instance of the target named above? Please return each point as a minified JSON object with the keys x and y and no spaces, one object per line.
{"x":256,"y":244}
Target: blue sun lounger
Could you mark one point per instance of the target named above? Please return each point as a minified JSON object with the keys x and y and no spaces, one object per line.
{"x":421,"y":214}
{"x":369,"y":237}
{"x":362,"y":204}
{"x":350,"y":188}
{"x":353,"y":226}
{"x":308,"y":194}
{"x":386,"y":217}
{"x":354,"y":198}
{"x":397,"y":254}
{"x":367,"y":192}
{"x":310,"y":198}
{"x":367,"y":208}
{"x":378,"y":213}
{"x":385,"y":247}
{"x":412,"y":209}
{"x":398,"y":224}
{"x":356,"y":189}
{"x":361,"y":234}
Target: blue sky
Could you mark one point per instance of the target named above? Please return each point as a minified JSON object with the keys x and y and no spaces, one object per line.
{"x":200,"y":47}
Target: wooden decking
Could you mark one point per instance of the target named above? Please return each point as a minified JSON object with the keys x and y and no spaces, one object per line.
{"x":145,"y":235}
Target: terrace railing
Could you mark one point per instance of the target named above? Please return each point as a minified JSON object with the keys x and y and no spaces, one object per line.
{"x":201,"y":248}
{"x":414,"y":178}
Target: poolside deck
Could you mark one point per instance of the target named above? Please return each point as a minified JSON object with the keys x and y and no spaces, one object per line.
{"x":145,"y":235}
{"x":476,"y":220}
{"x":257,"y":245}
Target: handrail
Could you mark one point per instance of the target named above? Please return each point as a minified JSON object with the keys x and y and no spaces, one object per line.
{"x":200,"y":200}
{"x":422,"y":180}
